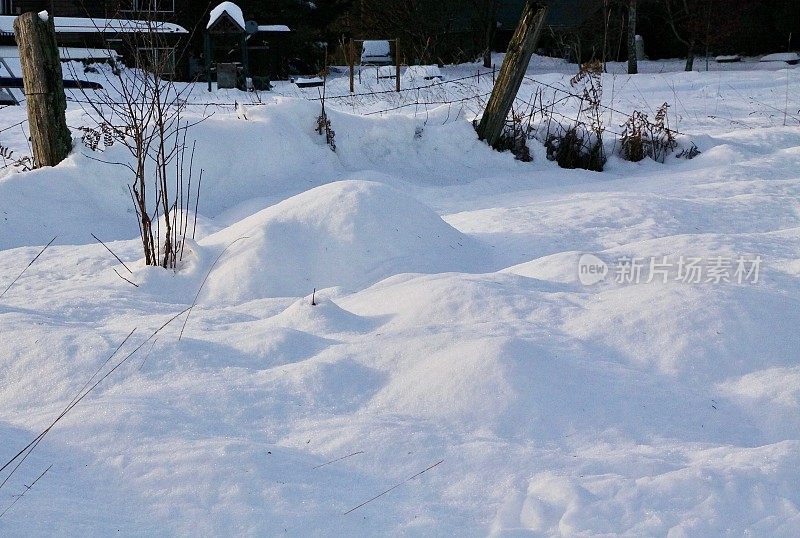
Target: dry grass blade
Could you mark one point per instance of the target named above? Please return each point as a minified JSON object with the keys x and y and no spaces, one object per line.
{"x":203,"y":283}
{"x":27,"y":489}
{"x":338,"y":459}
{"x":112,"y":253}
{"x":23,"y":454}
{"x":394,"y":487}
{"x":32,"y":445}
{"x":132,"y":283}
{"x":28,"y":266}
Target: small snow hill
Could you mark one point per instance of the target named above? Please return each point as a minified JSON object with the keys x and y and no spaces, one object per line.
{"x":348,"y":233}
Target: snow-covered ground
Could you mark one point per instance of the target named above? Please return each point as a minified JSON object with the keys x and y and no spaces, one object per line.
{"x":451,"y":332}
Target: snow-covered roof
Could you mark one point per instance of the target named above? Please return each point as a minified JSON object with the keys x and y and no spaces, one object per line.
{"x":66,"y":53}
{"x":273,"y":28}
{"x":85,"y":25}
{"x":781,"y":57}
{"x":229,"y":8}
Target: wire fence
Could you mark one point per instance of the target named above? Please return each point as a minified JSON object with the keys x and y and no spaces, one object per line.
{"x":468,"y":93}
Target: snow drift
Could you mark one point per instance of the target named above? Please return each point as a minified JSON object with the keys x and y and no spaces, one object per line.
{"x":348,"y":234}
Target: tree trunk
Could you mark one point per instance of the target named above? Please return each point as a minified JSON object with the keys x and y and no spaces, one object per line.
{"x":690,"y":59}
{"x":512,"y":72}
{"x":633,"y":66}
{"x":44,"y":89}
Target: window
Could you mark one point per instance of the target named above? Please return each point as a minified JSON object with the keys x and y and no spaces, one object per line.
{"x":5,"y":7}
{"x":152,"y":6}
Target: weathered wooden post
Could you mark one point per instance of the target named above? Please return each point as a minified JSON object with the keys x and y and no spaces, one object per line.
{"x":44,"y":88}
{"x":397,"y":64}
{"x":512,"y":72}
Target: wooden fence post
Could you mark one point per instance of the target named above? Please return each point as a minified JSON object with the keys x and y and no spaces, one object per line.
{"x":44,"y":88}
{"x":512,"y":72}
{"x":397,"y":64}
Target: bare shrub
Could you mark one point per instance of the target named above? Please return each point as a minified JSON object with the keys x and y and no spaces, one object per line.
{"x":323,"y":122}
{"x":576,"y":148}
{"x":578,"y":143}
{"x":689,"y":153}
{"x":143,"y":109}
{"x":23,"y":163}
{"x":642,"y":138}
{"x":515,"y":137}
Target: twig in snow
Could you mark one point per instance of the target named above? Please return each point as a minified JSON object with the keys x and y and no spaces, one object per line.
{"x":126,"y":280}
{"x":28,"y":266}
{"x":112,"y":253}
{"x":338,"y":459}
{"x":203,"y":283}
{"x":394,"y":487}
{"x":27,"y":488}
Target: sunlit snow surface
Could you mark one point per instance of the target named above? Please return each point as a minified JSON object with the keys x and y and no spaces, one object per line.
{"x":450,"y":323}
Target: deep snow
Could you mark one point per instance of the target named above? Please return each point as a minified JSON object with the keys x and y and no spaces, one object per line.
{"x":450,"y":325}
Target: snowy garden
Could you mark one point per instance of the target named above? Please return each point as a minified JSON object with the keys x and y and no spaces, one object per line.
{"x":372,"y":323}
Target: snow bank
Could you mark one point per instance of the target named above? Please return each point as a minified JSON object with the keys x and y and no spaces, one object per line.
{"x":349,"y":233}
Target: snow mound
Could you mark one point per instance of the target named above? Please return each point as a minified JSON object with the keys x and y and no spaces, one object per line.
{"x":349,"y":234}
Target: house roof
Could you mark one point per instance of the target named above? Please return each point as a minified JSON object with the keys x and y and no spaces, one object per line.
{"x":86,"y":25}
{"x":230,"y":10}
